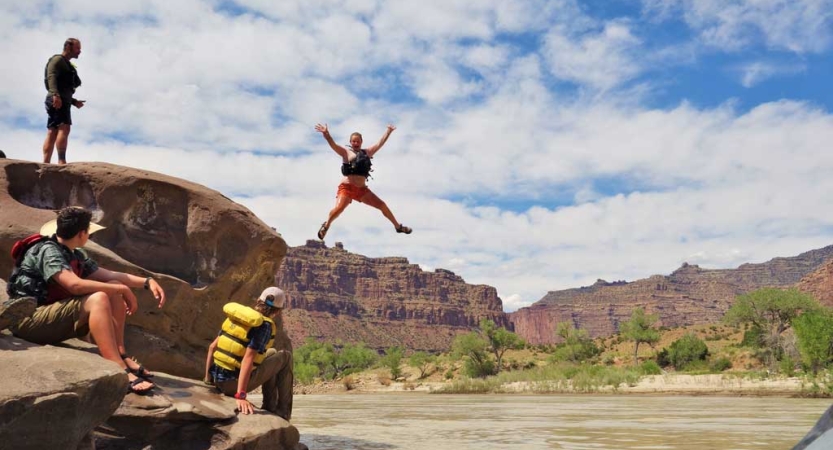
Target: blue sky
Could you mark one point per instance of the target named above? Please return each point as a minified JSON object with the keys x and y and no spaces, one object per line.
{"x":540,"y":145}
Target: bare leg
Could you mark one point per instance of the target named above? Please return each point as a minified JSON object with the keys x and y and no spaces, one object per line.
{"x":341,"y":205}
{"x":119,"y":310}
{"x":49,"y":144}
{"x":99,"y":315}
{"x":61,"y":143}
{"x":373,"y":200}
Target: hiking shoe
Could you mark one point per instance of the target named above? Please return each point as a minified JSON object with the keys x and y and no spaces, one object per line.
{"x":403,"y":229}
{"x":323,"y":230}
{"x":14,"y":310}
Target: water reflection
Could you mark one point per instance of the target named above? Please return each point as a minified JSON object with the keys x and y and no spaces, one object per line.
{"x":421,"y":421}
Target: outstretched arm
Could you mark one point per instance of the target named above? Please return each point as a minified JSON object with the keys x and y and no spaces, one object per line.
{"x":326,"y":133}
{"x":377,"y":146}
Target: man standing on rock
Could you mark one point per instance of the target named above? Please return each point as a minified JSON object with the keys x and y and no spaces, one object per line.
{"x":75,"y":296}
{"x":61,"y":80}
{"x":252,"y":350}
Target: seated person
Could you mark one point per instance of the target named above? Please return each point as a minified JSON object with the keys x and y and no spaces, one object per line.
{"x":75,"y":296}
{"x":253,"y":350}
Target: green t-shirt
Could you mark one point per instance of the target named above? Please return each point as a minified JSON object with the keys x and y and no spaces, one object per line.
{"x":43,"y":261}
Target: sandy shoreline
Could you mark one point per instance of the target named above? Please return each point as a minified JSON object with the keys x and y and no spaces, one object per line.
{"x":668,"y":384}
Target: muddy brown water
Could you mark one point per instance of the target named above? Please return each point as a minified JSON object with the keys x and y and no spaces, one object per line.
{"x":421,"y":421}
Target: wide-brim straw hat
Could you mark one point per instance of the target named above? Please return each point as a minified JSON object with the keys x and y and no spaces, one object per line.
{"x":51,"y":227}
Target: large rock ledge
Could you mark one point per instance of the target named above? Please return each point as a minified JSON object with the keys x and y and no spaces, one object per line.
{"x":70,"y":398}
{"x":204,"y":249}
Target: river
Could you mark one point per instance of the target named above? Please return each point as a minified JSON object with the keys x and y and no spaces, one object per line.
{"x":419,"y":421}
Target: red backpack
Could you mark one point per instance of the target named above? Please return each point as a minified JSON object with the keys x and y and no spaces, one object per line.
{"x":20,"y":247}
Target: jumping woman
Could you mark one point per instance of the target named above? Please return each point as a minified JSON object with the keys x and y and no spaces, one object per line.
{"x":356,"y":168}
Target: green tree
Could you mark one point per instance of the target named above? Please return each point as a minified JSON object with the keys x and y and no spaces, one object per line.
{"x":473,"y":348}
{"x":639,"y":329}
{"x":499,"y":339}
{"x":393,"y":361}
{"x":355,"y":357}
{"x":421,"y":361}
{"x":576,"y":346}
{"x":772,"y":311}
{"x":684,"y":351}
{"x":814,"y":330}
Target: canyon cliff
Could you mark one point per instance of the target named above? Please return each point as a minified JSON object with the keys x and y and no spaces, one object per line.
{"x":338,"y":296}
{"x":690,"y":295}
{"x":819,"y":284}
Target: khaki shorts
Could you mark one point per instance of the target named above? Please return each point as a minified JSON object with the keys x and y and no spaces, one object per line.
{"x":51,"y":324}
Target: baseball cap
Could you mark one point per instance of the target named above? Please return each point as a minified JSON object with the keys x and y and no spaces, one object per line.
{"x":273,"y":297}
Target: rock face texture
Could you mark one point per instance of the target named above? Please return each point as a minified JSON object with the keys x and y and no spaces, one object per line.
{"x":819,"y":284}
{"x":70,"y":398}
{"x":53,"y":397}
{"x":690,"y":295}
{"x":337,"y":295}
{"x":204,"y":249}
{"x":187,"y":415}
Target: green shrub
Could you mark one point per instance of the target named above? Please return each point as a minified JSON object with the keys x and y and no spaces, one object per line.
{"x":753,"y":337}
{"x":650,"y":367}
{"x":685,"y":351}
{"x":787,"y":366}
{"x":720,"y":364}
{"x":305,"y":373}
{"x":478,"y":369}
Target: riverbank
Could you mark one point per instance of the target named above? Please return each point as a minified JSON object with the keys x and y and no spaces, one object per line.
{"x":667,"y":384}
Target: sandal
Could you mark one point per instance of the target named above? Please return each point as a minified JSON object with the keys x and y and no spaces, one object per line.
{"x":403,"y":229}
{"x":323,"y":230}
{"x":131,"y":388}
{"x":140,"y":372}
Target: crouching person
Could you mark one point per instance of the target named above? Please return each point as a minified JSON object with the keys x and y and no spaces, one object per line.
{"x":75,"y":297}
{"x":253,"y":350}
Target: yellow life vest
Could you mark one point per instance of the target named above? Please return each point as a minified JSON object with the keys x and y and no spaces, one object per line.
{"x":234,"y":338}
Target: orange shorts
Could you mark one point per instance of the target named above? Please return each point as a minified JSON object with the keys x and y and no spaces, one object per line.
{"x":352,"y":191}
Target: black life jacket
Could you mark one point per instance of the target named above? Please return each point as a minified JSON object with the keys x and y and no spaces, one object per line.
{"x":65,"y":84}
{"x":360,"y":165}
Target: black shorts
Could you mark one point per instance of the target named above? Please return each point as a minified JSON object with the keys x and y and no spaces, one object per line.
{"x":60,"y":116}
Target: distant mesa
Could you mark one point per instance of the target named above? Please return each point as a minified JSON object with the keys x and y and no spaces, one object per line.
{"x":690,"y":295}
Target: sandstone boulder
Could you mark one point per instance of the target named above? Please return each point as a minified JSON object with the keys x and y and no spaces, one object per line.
{"x":204,"y":249}
{"x":184,"y":414}
{"x":53,"y":397}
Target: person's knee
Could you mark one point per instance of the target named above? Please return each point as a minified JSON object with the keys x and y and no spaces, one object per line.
{"x":98,"y":301}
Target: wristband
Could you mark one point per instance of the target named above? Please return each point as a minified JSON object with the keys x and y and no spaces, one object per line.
{"x":147,"y":283}
{"x":240,"y":395}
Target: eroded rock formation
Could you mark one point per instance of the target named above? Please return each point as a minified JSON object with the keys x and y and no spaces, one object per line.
{"x":336,"y":295}
{"x":203,"y":248}
{"x":68,"y":397}
{"x":819,"y":284}
{"x":53,"y":397}
{"x":690,"y":295}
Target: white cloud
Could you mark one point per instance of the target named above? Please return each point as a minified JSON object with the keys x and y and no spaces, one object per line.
{"x":757,"y":72}
{"x":800,"y":26}
{"x":506,"y":180}
{"x":602,"y":60}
